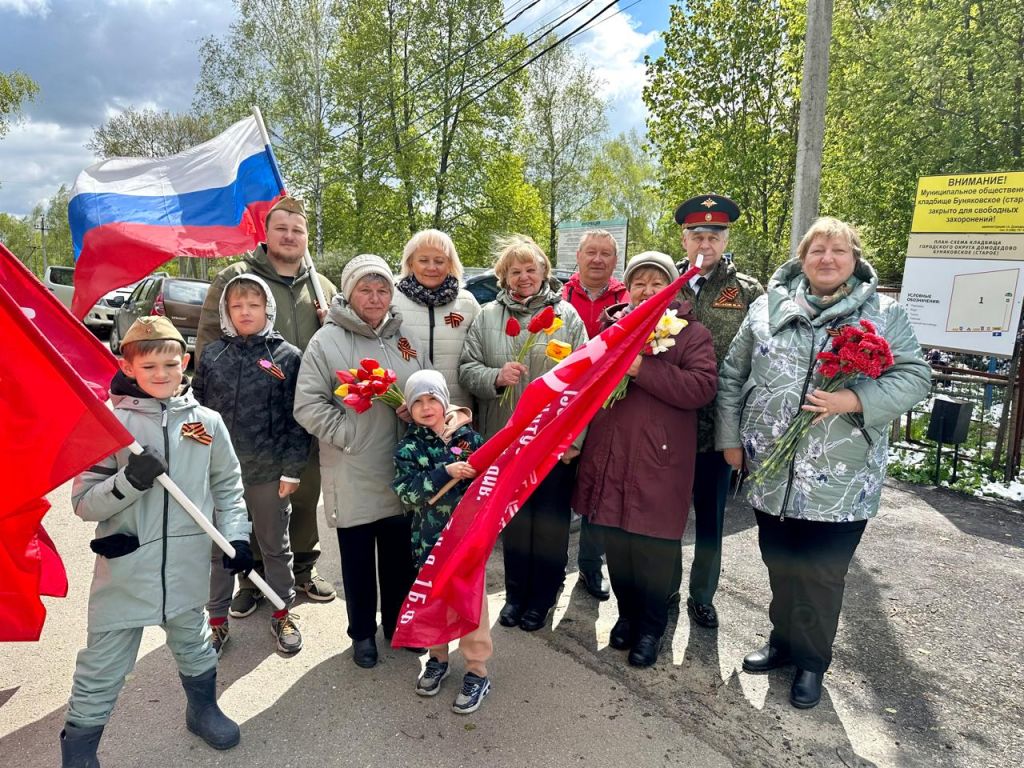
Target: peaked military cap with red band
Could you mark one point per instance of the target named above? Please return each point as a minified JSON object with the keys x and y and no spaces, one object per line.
{"x":707,"y":213}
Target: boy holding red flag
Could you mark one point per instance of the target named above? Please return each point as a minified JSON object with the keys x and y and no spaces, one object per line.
{"x":153,"y":559}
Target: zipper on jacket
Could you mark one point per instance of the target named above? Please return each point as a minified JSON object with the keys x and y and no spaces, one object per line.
{"x":430,"y":346}
{"x":803,"y":394}
{"x":163,"y":546}
{"x":238,"y":384}
{"x":867,"y":437}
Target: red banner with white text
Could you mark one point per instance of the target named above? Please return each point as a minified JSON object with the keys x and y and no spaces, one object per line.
{"x":445,"y":600}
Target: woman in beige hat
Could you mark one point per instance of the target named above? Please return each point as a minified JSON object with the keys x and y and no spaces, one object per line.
{"x":357,"y":449}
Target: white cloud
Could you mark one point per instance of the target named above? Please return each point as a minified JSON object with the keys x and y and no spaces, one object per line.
{"x":36,"y":158}
{"x":615,"y":49}
{"x":26,"y":7}
{"x":613,"y":46}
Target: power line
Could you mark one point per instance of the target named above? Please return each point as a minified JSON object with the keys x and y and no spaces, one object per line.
{"x":576,"y":31}
{"x":466,"y":95}
{"x":539,"y":32}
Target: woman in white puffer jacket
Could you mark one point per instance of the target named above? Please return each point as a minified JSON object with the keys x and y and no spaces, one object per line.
{"x":434,"y":307}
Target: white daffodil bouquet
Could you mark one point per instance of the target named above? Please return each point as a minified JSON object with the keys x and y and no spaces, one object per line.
{"x":662,"y":339}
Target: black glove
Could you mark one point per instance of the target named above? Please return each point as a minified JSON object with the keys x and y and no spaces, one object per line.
{"x":143,"y":468}
{"x":242,"y":562}
{"x":115,"y":545}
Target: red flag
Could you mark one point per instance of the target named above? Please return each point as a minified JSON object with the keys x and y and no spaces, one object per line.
{"x":52,"y":426}
{"x":444,"y":602}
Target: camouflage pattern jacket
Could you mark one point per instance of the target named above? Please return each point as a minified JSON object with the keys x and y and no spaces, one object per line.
{"x":720,"y":306}
{"x":420,"y":461}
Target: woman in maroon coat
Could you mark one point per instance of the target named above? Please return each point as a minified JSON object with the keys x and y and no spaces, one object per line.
{"x":637,"y":463}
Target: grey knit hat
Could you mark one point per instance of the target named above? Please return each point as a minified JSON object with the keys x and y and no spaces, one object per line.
{"x":359,"y":267}
{"x":427,"y":382}
{"x":655,"y":259}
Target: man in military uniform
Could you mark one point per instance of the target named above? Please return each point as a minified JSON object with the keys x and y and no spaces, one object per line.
{"x":280,"y":262}
{"x":720,"y":296}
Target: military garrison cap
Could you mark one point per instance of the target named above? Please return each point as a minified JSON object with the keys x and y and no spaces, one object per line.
{"x":707,"y":213}
{"x":152,"y":328}
{"x":289,"y":204}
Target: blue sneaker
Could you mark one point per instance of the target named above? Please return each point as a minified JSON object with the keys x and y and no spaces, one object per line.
{"x":430,"y":681}
{"x":474,"y":688}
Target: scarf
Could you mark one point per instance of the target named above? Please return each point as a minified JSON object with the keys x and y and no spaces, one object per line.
{"x":445,"y":293}
{"x":815,"y":305}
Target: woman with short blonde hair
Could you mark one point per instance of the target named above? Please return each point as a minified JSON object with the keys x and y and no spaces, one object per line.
{"x":434,"y":306}
{"x":431,"y":238}
{"x":535,"y":543}
{"x":518,"y":249}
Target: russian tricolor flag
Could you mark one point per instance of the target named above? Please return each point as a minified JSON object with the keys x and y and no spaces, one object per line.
{"x":129,"y":215}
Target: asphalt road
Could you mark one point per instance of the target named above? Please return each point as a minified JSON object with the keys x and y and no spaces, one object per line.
{"x":927,"y":671}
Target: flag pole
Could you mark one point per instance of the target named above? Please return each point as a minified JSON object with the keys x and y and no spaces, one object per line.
{"x":306,"y":259}
{"x":204,"y":522}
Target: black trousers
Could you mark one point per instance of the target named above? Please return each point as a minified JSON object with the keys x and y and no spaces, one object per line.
{"x":642,"y":571}
{"x":535,"y":544}
{"x":710,"y":491}
{"x":807,"y":565}
{"x":362,"y":568}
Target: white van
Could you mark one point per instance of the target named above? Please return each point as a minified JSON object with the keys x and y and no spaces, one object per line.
{"x":61,"y":282}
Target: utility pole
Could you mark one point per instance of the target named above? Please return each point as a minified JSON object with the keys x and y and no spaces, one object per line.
{"x":42,"y":239}
{"x":811,"y":131}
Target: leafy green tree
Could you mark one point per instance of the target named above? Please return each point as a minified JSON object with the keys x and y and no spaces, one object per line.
{"x":508,"y":204}
{"x":16,"y":232}
{"x":149,"y":133}
{"x":917,"y":88}
{"x":565,"y":119}
{"x":15,"y":89}
{"x":624,"y":183}
{"x":723,"y":100}
{"x":382,"y":116}
{"x":277,"y":56}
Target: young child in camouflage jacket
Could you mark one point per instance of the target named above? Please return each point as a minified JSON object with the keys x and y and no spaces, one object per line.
{"x":433,"y":452}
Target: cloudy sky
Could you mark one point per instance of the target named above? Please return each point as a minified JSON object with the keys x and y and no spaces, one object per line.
{"x":93,"y":58}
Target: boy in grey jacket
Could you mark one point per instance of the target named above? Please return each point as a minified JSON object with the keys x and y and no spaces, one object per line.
{"x":248,"y":376}
{"x":153,"y":559}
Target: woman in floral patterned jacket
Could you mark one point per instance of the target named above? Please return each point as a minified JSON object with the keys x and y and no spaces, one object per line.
{"x":812,"y":514}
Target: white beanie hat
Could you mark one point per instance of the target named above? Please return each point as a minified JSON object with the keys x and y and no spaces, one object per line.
{"x":426,"y":382}
{"x":655,"y":259}
{"x":359,"y":267}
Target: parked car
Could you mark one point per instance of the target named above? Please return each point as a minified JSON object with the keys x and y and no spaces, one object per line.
{"x":101,"y":316}
{"x":180,"y":299}
{"x":484,"y":286}
{"x":61,"y":282}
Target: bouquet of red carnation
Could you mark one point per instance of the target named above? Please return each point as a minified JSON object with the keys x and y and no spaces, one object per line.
{"x":856,"y":351}
{"x":361,"y":386}
{"x":545,"y":322}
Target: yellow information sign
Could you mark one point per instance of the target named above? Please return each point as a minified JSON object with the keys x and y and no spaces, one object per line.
{"x":970,"y":202}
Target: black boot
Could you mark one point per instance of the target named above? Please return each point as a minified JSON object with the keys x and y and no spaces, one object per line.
{"x":806,"y":690}
{"x":203,"y":717}
{"x":78,"y":746}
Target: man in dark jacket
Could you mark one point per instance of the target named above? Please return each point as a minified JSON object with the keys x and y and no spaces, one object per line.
{"x":279,"y":262}
{"x":720,"y":296}
{"x":591,"y":290}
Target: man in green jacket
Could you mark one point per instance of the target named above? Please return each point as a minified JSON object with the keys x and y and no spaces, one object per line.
{"x":279,"y":262}
{"x":720,"y":297}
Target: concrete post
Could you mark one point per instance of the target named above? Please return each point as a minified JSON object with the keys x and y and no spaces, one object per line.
{"x":811,"y":131}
